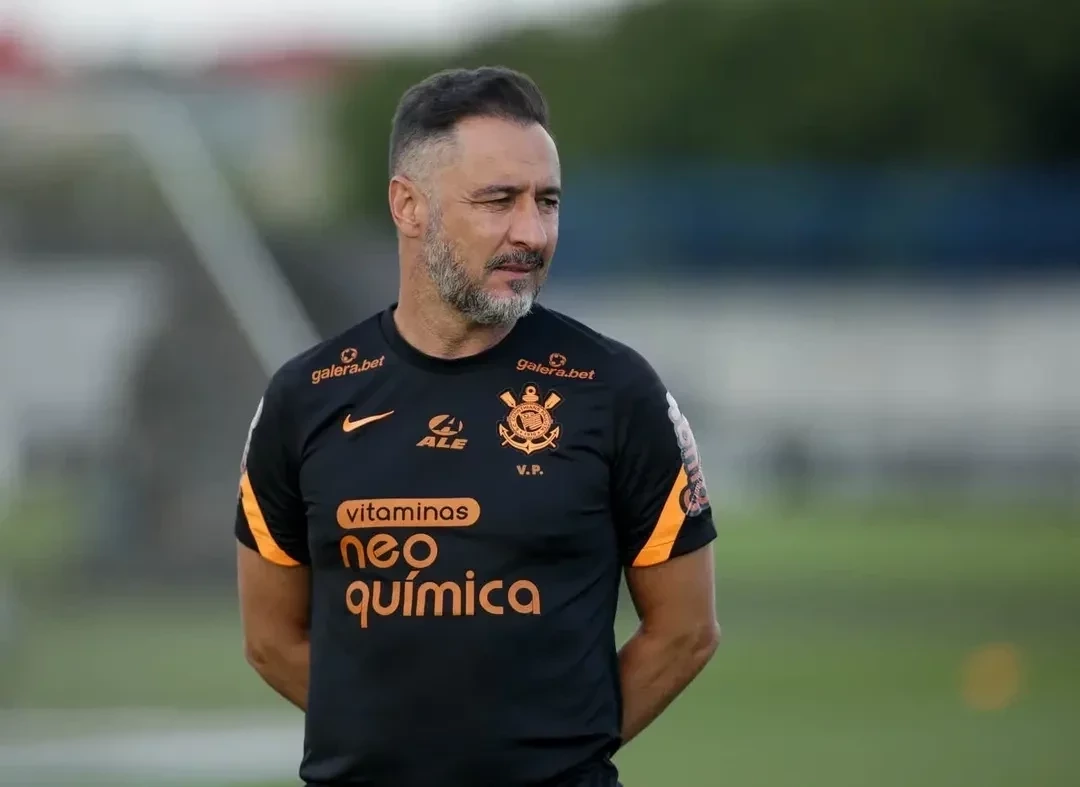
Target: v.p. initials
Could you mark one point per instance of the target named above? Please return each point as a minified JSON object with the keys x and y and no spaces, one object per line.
{"x":530,"y":470}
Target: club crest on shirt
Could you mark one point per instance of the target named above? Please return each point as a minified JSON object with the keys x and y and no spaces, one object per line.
{"x":529,"y":426}
{"x":694,"y":498}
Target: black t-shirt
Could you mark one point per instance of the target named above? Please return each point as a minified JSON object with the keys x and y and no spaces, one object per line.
{"x":467,"y":523}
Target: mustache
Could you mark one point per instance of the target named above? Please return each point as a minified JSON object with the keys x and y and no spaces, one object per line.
{"x":531,"y":259}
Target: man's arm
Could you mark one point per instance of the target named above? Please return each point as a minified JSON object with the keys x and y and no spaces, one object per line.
{"x":677,"y":636}
{"x":274,"y":609}
{"x":665,"y":529}
{"x":272,"y":561}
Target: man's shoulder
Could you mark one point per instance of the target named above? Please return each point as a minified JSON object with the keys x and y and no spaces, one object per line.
{"x":357,"y":349}
{"x":619,"y":362}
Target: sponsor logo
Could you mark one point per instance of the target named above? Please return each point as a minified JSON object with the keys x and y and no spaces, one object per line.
{"x":251,"y":430}
{"x":351,"y":426}
{"x":347,"y":367}
{"x":694,"y":498}
{"x":409,"y":512}
{"x":385,"y":558}
{"x":444,"y":430}
{"x":529,"y":425}
{"x":555,"y":367}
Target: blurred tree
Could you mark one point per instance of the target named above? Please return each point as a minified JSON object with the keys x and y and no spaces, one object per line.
{"x":959,"y":83}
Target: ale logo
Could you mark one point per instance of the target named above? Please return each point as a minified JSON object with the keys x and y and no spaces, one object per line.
{"x":444,"y":434}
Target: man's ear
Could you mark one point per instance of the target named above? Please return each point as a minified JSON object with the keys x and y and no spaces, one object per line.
{"x":408,"y":206}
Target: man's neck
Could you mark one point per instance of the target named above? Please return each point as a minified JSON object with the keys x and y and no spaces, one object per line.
{"x":435,"y":329}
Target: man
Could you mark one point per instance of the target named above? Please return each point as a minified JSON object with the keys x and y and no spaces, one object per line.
{"x":437,"y":505}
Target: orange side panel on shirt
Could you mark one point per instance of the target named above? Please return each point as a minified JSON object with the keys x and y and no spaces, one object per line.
{"x":268,"y":548}
{"x":658,"y":548}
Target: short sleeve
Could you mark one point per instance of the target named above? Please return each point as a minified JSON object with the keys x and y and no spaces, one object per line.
{"x":660,"y":499}
{"x":270,"y":515}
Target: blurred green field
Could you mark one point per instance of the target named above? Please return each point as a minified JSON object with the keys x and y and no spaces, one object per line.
{"x":884,"y":646}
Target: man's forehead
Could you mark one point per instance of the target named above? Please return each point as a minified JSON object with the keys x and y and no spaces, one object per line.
{"x":496,"y":150}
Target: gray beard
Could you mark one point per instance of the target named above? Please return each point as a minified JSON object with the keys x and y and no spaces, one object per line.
{"x":455,"y":287}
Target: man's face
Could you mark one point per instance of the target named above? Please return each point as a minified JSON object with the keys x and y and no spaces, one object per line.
{"x":494,"y":219}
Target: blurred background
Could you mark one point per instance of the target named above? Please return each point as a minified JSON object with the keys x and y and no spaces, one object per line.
{"x":847,"y":234}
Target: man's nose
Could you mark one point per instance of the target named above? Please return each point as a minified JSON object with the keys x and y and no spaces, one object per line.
{"x":527,"y":229}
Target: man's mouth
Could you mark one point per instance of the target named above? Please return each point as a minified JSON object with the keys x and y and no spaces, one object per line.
{"x":517,"y":267}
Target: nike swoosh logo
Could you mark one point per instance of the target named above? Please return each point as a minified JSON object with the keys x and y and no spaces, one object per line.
{"x":349,"y":425}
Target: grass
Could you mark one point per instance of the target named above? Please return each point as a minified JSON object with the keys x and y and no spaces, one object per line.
{"x":851,"y":655}
{"x":136,"y":653}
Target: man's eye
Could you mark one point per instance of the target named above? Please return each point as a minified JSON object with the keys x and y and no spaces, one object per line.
{"x":549,"y":202}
